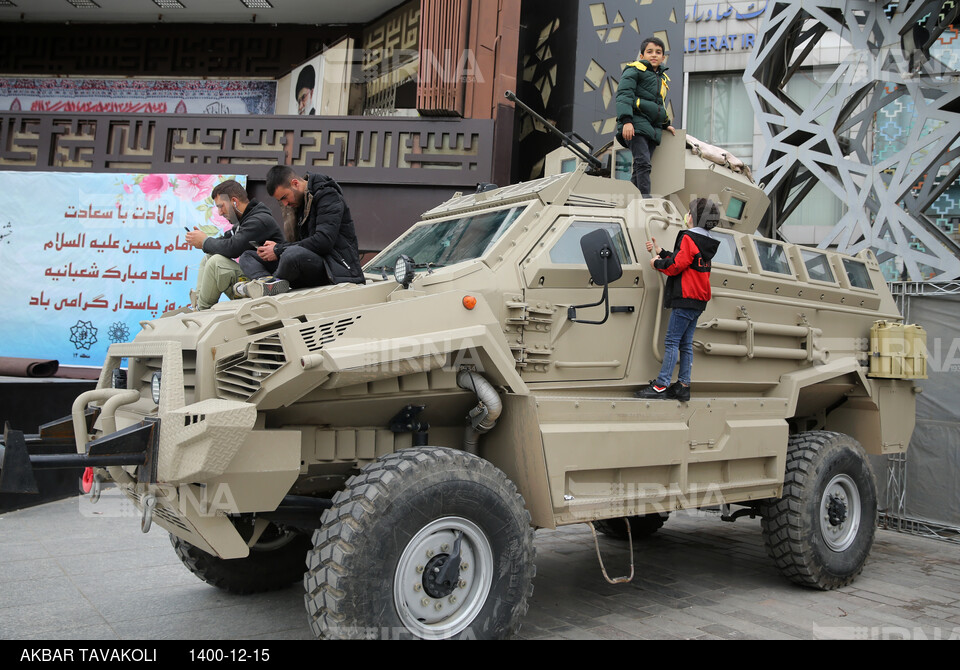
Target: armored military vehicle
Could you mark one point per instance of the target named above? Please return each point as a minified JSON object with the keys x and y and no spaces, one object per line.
{"x":399,"y":442}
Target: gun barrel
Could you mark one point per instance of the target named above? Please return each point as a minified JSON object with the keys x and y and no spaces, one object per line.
{"x":564,"y":138}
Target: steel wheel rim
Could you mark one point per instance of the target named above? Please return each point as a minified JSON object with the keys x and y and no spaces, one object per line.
{"x":419,"y":612}
{"x":843,"y":490}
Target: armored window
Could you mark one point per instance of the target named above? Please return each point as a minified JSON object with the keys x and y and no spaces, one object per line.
{"x":773,"y":258}
{"x":624,"y":164}
{"x":567,"y":249}
{"x":447,"y":242}
{"x":735,"y":209}
{"x":818,"y":266}
{"x":857,"y":274}
{"x":727,"y":253}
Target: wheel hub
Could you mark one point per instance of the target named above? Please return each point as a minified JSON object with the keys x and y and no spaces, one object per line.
{"x":840,"y":512}
{"x":433,"y":583}
{"x":836,"y":510}
{"x":437,"y":600}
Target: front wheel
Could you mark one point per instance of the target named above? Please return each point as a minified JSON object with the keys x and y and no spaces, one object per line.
{"x":275,"y":562}
{"x":821,"y":531}
{"x":428,"y":543}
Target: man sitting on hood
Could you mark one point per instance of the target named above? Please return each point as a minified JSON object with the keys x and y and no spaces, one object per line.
{"x":253,"y":225}
{"x":324,"y":249}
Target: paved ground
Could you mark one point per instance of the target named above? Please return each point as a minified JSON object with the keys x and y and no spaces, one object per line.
{"x":74,"y":571}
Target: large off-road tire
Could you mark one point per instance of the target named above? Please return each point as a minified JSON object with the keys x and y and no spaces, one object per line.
{"x":275,"y":562}
{"x":820,"y":532}
{"x":369,"y":575}
{"x":640,"y":526}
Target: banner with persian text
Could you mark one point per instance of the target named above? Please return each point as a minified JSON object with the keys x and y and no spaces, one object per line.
{"x":87,"y":257}
{"x":138,"y":96}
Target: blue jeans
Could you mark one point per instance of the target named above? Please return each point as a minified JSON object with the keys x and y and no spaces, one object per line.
{"x":679,"y":343}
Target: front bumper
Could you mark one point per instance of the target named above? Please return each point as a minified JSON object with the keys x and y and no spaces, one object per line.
{"x":195,"y":463}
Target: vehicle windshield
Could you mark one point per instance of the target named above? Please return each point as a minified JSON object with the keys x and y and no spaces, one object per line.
{"x":447,"y":242}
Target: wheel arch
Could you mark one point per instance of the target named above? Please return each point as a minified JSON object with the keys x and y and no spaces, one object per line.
{"x":839,"y":397}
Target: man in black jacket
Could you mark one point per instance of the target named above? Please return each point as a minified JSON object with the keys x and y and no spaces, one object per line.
{"x":253,"y":225}
{"x":324,"y":246}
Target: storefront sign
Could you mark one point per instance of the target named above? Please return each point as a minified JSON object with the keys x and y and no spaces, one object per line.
{"x":722,"y":27}
{"x":720,"y":43}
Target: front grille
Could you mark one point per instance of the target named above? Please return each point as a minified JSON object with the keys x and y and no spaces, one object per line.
{"x":241,"y":375}
{"x":317,"y":337}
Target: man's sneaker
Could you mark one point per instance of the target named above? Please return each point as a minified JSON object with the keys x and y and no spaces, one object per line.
{"x":258,"y":288}
{"x":678,"y":391}
{"x":274,"y":286}
{"x":652,"y":392}
{"x":240,"y":289}
{"x":231,"y":291}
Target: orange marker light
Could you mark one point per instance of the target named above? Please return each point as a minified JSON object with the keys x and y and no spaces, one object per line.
{"x":469,"y":302}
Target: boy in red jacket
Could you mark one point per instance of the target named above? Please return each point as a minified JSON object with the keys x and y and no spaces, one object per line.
{"x":687,"y":293}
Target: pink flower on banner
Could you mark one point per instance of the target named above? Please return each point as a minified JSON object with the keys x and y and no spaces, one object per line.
{"x":194,"y":187}
{"x":219,"y":221}
{"x":153,"y":186}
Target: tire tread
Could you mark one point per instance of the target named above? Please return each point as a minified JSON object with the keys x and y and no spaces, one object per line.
{"x":369,"y":493}
{"x":784,"y":527}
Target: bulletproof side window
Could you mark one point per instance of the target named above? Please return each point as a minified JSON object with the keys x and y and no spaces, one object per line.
{"x":857,"y":274}
{"x":818,"y":266}
{"x":773,"y":258}
{"x":567,"y":251}
{"x":727,"y":253}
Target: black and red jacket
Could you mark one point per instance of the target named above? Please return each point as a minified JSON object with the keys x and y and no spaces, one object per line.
{"x":688,"y":270}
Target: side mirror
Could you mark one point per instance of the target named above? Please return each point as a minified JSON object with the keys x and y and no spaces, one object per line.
{"x":605,"y":268}
{"x":601,"y":257}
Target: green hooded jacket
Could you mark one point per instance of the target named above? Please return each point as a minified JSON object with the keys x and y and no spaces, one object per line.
{"x":641,"y":100}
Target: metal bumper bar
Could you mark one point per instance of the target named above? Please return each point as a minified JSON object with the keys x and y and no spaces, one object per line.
{"x":63,"y":444}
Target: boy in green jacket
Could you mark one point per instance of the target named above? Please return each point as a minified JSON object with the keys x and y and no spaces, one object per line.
{"x":641,"y":109}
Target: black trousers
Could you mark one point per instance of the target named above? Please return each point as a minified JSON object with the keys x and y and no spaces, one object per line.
{"x":299,"y":266}
{"x":642,"y":148}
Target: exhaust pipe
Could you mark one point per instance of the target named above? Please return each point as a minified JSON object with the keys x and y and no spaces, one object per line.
{"x":483,"y":417}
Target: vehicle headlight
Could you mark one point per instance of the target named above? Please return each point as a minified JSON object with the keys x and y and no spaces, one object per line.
{"x":403,"y":271}
{"x":155,"y":387}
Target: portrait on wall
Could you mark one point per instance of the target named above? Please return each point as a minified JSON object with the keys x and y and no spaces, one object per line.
{"x":306,"y":88}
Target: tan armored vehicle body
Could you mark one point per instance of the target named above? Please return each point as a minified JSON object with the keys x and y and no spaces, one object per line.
{"x":435,"y":419}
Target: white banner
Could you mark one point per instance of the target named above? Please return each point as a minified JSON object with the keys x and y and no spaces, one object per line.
{"x":88,"y":256}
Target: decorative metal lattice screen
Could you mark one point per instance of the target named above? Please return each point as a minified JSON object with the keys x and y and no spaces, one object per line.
{"x":882,"y":132}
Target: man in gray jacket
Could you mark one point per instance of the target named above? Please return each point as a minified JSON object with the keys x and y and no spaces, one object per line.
{"x":253,"y":225}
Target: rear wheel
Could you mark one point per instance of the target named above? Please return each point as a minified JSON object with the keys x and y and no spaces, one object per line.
{"x":276,"y":561}
{"x":428,"y":543}
{"x":821,"y":531}
{"x":640,"y":526}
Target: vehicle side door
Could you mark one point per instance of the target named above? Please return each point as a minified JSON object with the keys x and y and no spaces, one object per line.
{"x":555,"y":276}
